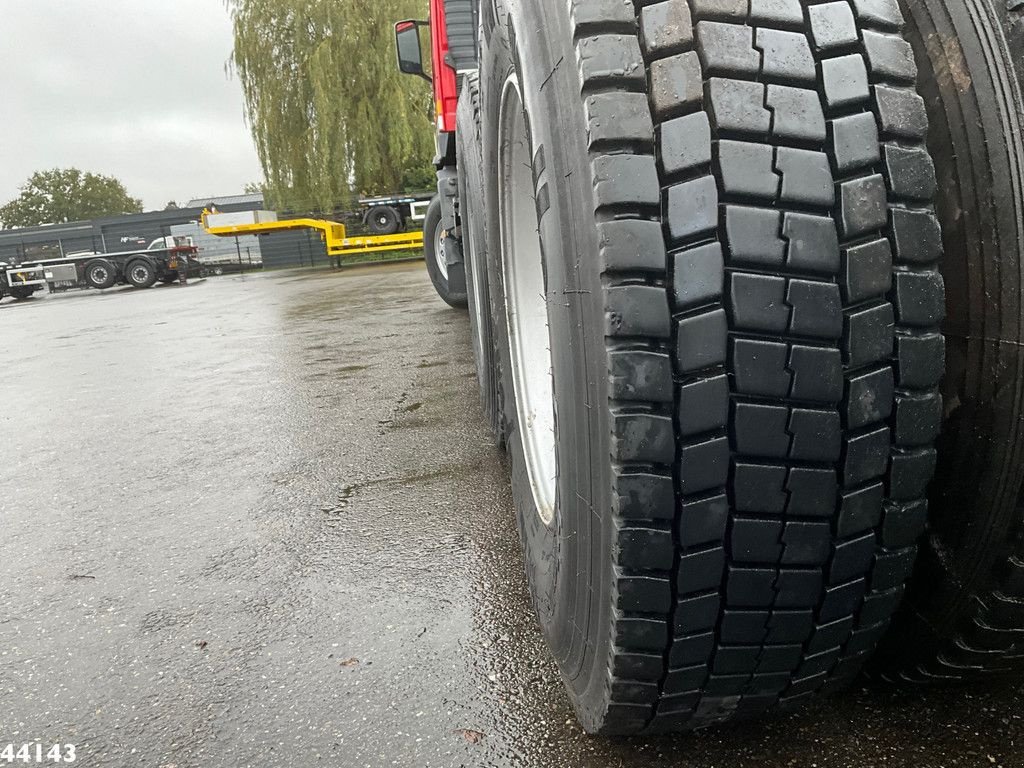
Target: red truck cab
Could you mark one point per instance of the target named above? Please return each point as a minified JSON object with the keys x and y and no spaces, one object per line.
{"x":452,"y":28}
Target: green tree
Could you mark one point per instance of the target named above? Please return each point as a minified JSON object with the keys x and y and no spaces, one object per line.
{"x":329,"y":112}
{"x":420,"y":178}
{"x":67,"y":194}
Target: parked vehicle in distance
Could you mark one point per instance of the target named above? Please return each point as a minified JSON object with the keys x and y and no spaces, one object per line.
{"x":140,"y":268}
{"x":390,"y":214}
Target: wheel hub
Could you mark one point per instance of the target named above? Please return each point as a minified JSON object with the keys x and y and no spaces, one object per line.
{"x":441,"y":251}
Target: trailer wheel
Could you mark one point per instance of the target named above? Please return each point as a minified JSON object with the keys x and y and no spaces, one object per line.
{"x":20,"y":292}
{"x":141,"y":273}
{"x":473,"y":226}
{"x":384,"y":220}
{"x":964,"y":613}
{"x":435,"y":241}
{"x":100,"y":273}
{"x":722,"y":395}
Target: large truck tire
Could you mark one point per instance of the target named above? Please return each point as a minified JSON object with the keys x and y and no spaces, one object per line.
{"x":435,"y":241}
{"x":473,"y":226}
{"x":384,"y":220}
{"x":141,"y":273}
{"x":100,"y":273}
{"x":964,"y":614}
{"x":714,"y":261}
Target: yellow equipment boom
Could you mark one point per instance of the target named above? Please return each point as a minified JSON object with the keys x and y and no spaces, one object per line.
{"x":333,"y":234}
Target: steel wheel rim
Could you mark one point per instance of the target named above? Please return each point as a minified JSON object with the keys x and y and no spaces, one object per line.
{"x":442,"y":261}
{"x":526,"y":306}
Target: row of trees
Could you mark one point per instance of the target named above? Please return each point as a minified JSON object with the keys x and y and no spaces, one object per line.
{"x":67,"y":194}
{"x":329,"y":112}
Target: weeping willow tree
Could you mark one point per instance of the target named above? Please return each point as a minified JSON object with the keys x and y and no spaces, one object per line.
{"x":328,"y":109}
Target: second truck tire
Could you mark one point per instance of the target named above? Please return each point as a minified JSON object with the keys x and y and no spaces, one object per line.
{"x":434,"y":247}
{"x":713,"y":256}
{"x":964,"y":616}
{"x":474,"y":250}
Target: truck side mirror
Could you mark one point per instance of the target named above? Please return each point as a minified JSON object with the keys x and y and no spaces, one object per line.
{"x":410,"y":52}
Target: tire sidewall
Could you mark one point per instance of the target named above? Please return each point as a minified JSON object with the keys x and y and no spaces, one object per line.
{"x":568,"y":563}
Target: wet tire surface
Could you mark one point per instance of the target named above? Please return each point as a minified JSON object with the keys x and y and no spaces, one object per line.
{"x":310,"y":557}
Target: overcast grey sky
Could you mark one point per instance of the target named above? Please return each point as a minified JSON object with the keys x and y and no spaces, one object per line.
{"x":130,"y":88}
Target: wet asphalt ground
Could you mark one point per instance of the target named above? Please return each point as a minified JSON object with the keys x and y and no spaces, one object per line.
{"x":259,"y":522}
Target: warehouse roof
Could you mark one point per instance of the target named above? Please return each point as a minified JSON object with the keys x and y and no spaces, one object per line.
{"x":201,"y":202}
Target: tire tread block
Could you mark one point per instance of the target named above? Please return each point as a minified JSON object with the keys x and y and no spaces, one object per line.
{"x":703,"y":405}
{"x":795,"y":113}
{"x":832,"y":25}
{"x":753,"y":236}
{"x":676,"y":83}
{"x":640,"y":376}
{"x":685,"y":143}
{"x":698,"y":275}
{"x":643,"y":496}
{"x":631,"y":246}
{"x":739,"y":105}
{"x":610,"y":57}
{"x":785,"y":56}
{"x":727,"y":49}
{"x":637,"y":310}
{"x":666,"y":27}
{"x":619,"y":117}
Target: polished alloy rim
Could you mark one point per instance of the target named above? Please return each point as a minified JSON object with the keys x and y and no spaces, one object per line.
{"x":526,"y":302}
